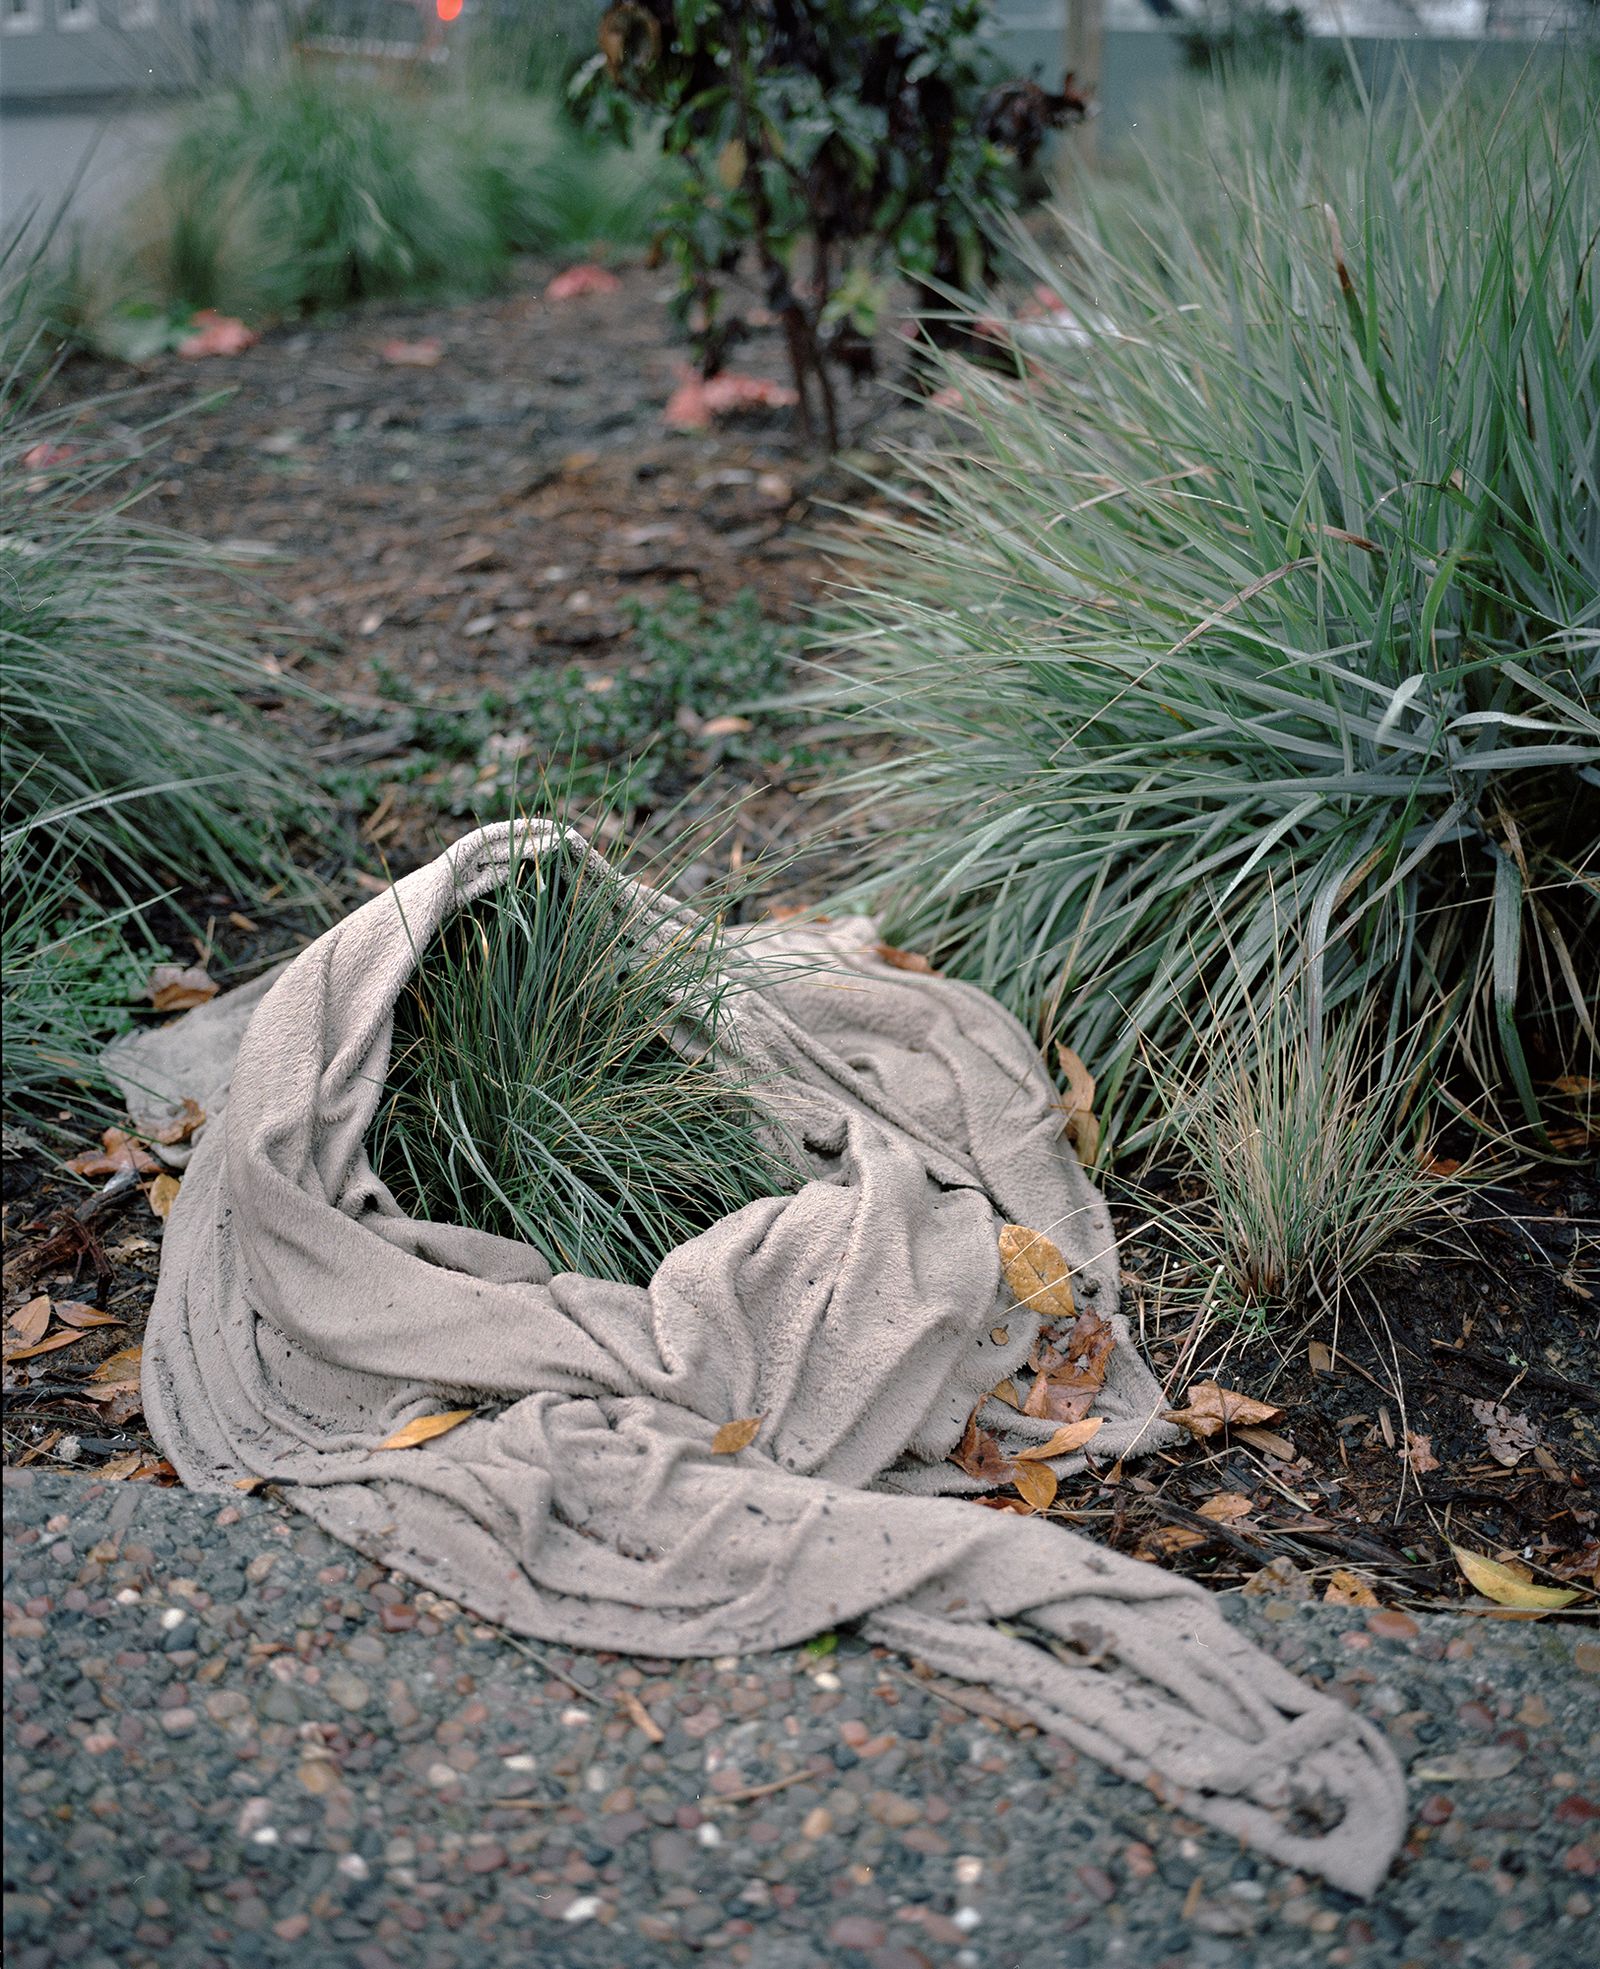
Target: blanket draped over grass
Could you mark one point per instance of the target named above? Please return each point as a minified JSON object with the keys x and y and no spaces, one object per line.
{"x":302,"y":1318}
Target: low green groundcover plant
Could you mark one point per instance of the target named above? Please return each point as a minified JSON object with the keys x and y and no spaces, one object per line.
{"x":134,"y":762}
{"x":563,"y":1073}
{"x":1252,"y":618}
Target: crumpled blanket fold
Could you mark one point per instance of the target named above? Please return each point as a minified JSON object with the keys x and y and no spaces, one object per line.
{"x":303,"y":1316}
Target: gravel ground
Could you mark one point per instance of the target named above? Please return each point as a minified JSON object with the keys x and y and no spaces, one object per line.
{"x":231,"y":1741}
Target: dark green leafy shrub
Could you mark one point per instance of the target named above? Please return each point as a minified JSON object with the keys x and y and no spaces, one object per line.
{"x":880,"y":132}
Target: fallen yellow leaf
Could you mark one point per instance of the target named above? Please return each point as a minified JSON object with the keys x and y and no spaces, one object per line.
{"x":735,"y":1436}
{"x":162,"y":1195}
{"x":423,"y":1428}
{"x":1063,"y":1442}
{"x":1499,"y":1583}
{"x":1006,"y":1391}
{"x":1036,"y":1272}
{"x":1036,"y":1485}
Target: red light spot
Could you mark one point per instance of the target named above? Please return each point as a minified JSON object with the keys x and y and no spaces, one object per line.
{"x":448,"y":9}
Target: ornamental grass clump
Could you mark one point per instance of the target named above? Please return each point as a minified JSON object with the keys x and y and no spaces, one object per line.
{"x":564,"y":1072}
{"x":1252,"y":616}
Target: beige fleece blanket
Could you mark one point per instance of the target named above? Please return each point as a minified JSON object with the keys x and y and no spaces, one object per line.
{"x":302,"y":1317}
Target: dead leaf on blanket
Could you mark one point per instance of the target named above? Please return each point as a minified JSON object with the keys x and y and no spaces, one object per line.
{"x":250,"y":1484}
{"x":31,"y":1322}
{"x":735,"y":1436}
{"x":1036,"y":1272}
{"x":1510,"y":1588}
{"x":1212,"y":1407}
{"x":1510,"y":1436}
{"x":423,"y":1428}
{"x":1081,"y":1129}
{"x":1006,"y":1391}
{"x":1226,"y":1508}
{"x":1066,"y":1386}
{"x":179,"y":987}
{"x":162,"y":1195}
{"x":1349,"y":1589}
{"x":903,"y":960}
{"x":182,"y":1125}
{"x":980,"y":1454}
{"x":1064,"y":1441}
{"x":1036,"y":1485}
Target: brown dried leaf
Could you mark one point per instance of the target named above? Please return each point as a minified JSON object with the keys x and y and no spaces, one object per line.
{"x":980,"y":1454}
{"x":903,"y":960}
{"x":1226,"y":1508}
{"x":1036,"y":1272}
{"x":118,"y":1150}
{"x":119,"y":1369}
{"x":1212,"y":1408}
{"x":179,"y":987}
{"x":71,"y":1312}
{"x":725,"y":726}
{"x":162,"y":1195}
{"x":1419,"y":1453}
{"x":1006,"y":1391}
{"x":735,"y":1436}
{"x":120,"y":1467}
{"x":1318,"y":1357}
{"x":250,"y":1484}
{"x":32,"y":1321}
{"x":124,"y":1404}
{"x":41,"y":1347}
{"x":1349,"y":1589}
{"x":1082,"y":1130}
{"x":1510,"y":1436}
{"x":1036,"y":1485}
{"x":1166,"y":1540}
{"x":423,"y":1428}
{"x":1064,"y":1441}
{"x":182,"y":1125}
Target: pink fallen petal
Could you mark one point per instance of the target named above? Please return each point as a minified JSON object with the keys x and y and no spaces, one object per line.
{"x":40,"y":457}
{"x":580,"y":280}
{"x":687,"y":408}
{"x":216,"y":334}
{"x":423,"y":354}
{"x":949,"y":398}
{"x":730,"y":391}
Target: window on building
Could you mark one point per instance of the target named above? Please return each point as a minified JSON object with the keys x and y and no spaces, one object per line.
{"x":74,"y":14}
{"x":20,"y":16}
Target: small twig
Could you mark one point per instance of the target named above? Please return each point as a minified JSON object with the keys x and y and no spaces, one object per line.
{"x":749,"y":1791}
{"x":549,"y":1667}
